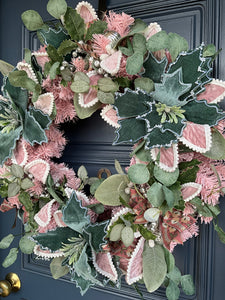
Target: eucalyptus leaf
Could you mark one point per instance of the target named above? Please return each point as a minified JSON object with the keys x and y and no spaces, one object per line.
{"x":57,"y":8}
{"x":54,"y":70}
{"x":6,"y":241}
{"x":32,"y":20}
{"x":169,"y":196}
{"x":209,"y":50}
{"x":134,"y":63}
{"x":139,"y":174}
{"x":95,"y":185}
{"x":138,"y":26}
{"x":145,"y":84}
{"x":154,"y":267}
{"x":10,"y":258}
{"x":170,"y":260}
{"x":110,"y":190}
{"x":175,"y":275}
{"x":177,"y":44}
{"x":172,"y":291}
{"x":80,"y":86}
{"x":13,"y":189}
{"x":26,"y":183}
{"x":127,"y":236}
{"x":26,"y":245}
{"x":155,"y":194}
{"x":17,"y":171}
{"x":56,"y":268}
{"x":187,"y":285}
{"x":115,"y":234}
{"x":139,"y":43}
{"x":217,"y":150}
{"x":166,"y":178}
{"x":5,"y":68}
{"x":106,"y":98}
{"x":82,"y":173}
{"x":158,"y":41}
{"x":106,"y":85}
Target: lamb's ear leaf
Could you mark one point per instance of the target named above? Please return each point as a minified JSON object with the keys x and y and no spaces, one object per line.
{"x":57,"y":8}
{"x":154,"y":266}
{"x":32,"y":20}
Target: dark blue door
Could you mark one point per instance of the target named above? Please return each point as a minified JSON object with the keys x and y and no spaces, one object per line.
{"x":197,"y":21}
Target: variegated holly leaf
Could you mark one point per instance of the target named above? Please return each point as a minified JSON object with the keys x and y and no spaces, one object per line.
{"x":74,"y":215}
{"x":53,"y":239}
{"x":95,"y":235}
{"x":52,"y":36}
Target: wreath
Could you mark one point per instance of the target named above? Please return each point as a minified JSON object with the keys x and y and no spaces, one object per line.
{"x":159,"y":96}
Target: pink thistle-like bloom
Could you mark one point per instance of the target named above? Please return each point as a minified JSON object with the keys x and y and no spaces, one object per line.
{"x":58,"y":171}
{"x":221,"y":127}
{"x":37,"y":189}
{"x":186,"y":156}
{"x":188,"y":210}
{"x":63,"y":99}
{"x":206,"y":220}
{"x":100,"y":42}
{"x":54,"y":147}
{"x":79,"y":64}
{"x":119,"y":22}
{"x":14,"y":201}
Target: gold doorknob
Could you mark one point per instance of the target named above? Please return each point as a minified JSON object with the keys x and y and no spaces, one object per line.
{"x":11,"y":283}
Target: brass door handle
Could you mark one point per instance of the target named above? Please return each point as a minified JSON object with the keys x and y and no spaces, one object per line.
{"x":11,"y":283}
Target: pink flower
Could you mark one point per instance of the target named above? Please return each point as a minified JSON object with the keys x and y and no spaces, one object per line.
{"x":100,"y":42}
{"x":79,"y":63}
{"x":119,"y":22}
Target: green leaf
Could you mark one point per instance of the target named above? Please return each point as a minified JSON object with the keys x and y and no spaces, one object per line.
{"x":158,"y":41}
{"x":95,"y":185}
{"x":139,"y":174}
{"x":97,"y":27}
{"x":118,"y":167}
{"x":32,"y":130}
{"x":171,"y":88}
{"x":147,"y":234}
{"x":43,"y":120}
{"x":177,"y":44}
{"x":106,"y":85}
{"x":154,"y":267}
{"x":18,"y":95}
{"x":220,"y":232}
{"x":170,"y":260}
{"x":172,"y":291}
{"x":51,"y":36}
{"x":53,"y":54}
{"x":134,"y":63}
{"x":10,"y":258}
{"x":123,"y":81}
{"x":74,"y":215}
{"x":115,"y":234}
{"x":82,"y":173}
{"x":81,"y":77}
{"x":187,"y":285}
{"x":26,"y":183}
{"x":17,"y":171}
{"x":209,"y":50}
{"x":110,"y":190}
{"x":57,"y":8}
{"x":27,"y":56}
{"x":138,"y":26}
{"x":154,"y":68}
{"x":66,"y":47}
{"x":139,"y":43}
{"x":80,"y":86}
{"x":175,"y":275}
{"x":97,"y":208}
{"x":8,"y":143}
{"x":32,"y":20}
{"x":200,"y":112}
{"x":13,"y":189}
{"x":145,"y":84}
{"x":54,"y":70}
{"x":56,"y":268}
{"x":74,"y":24}
{"x":25,"y":199}
{"x":105,"y":98}
{"x":166,"y":178}
{"x":6,"y":241}
{"x":83,"y":112}
{"x":21,"y":79}
{"x":5,"y":68}
{"x":217,"y":151}
{"x":155,"y":194}
{"x":26,"y":245}
{"x":169,"y":196}
{"x":127,"y":236}
{"x":96,"y":235}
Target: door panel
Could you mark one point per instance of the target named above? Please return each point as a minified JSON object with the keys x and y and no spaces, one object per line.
{"x":90,"y":145}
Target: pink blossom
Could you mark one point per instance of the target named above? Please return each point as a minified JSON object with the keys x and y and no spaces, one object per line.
{"x":100,"y":42}
{"x":37,"y":189}
{"x":206,"y":220}
{"x":58,"y":171}
{"x":79,"y":63}
{"x":119,"y":22}
{"x":188,"y":210}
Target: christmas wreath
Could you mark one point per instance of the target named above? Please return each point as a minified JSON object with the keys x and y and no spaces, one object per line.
{"x":159,"y":96}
